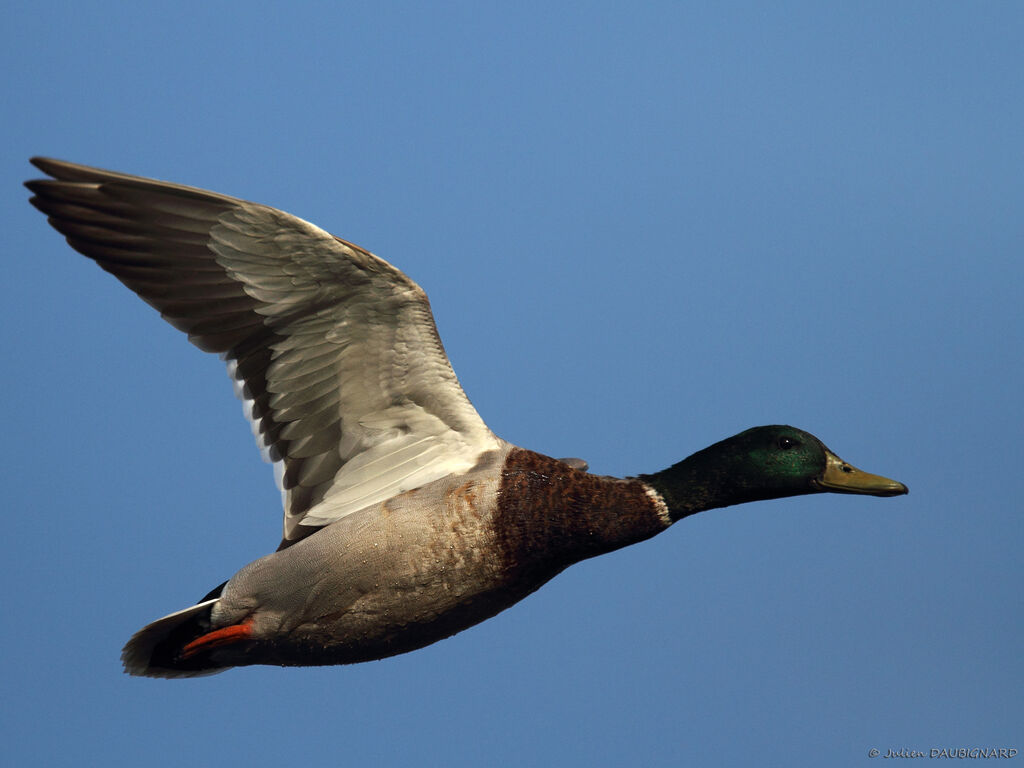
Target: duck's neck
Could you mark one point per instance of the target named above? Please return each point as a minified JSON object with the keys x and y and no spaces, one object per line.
{"x":550,"y":515}
{"x":717,"y":476}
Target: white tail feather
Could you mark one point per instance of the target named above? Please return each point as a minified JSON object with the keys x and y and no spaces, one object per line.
{"x":137,"y":655}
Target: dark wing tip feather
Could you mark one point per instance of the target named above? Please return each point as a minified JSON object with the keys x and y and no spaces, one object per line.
{"x":155,"y":237}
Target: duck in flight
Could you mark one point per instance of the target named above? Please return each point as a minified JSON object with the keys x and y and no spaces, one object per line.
{"x":406,"y":519}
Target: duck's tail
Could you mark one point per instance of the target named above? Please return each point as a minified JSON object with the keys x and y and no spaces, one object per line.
{"x":177,"y":645}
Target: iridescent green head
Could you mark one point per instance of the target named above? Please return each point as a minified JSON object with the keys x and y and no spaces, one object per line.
{"x":762,"y":463}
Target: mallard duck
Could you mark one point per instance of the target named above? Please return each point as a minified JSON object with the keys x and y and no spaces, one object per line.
{"x":406,"y":519}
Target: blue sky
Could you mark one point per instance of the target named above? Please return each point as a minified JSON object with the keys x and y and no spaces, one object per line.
{"x":643,"y":228}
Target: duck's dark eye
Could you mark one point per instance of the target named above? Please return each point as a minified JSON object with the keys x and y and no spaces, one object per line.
{"x":785,"y":443}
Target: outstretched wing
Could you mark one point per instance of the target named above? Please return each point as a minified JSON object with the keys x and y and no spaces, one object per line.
{"x":335,"y":350}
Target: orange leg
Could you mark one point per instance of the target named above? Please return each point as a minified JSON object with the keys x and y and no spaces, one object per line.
{"x":223,"y":636}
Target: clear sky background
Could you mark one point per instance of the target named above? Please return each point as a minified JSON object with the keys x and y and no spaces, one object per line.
{"x":644,"y":227}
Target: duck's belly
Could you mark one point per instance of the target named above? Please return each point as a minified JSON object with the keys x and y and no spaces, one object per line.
{"x":381,"y":582}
